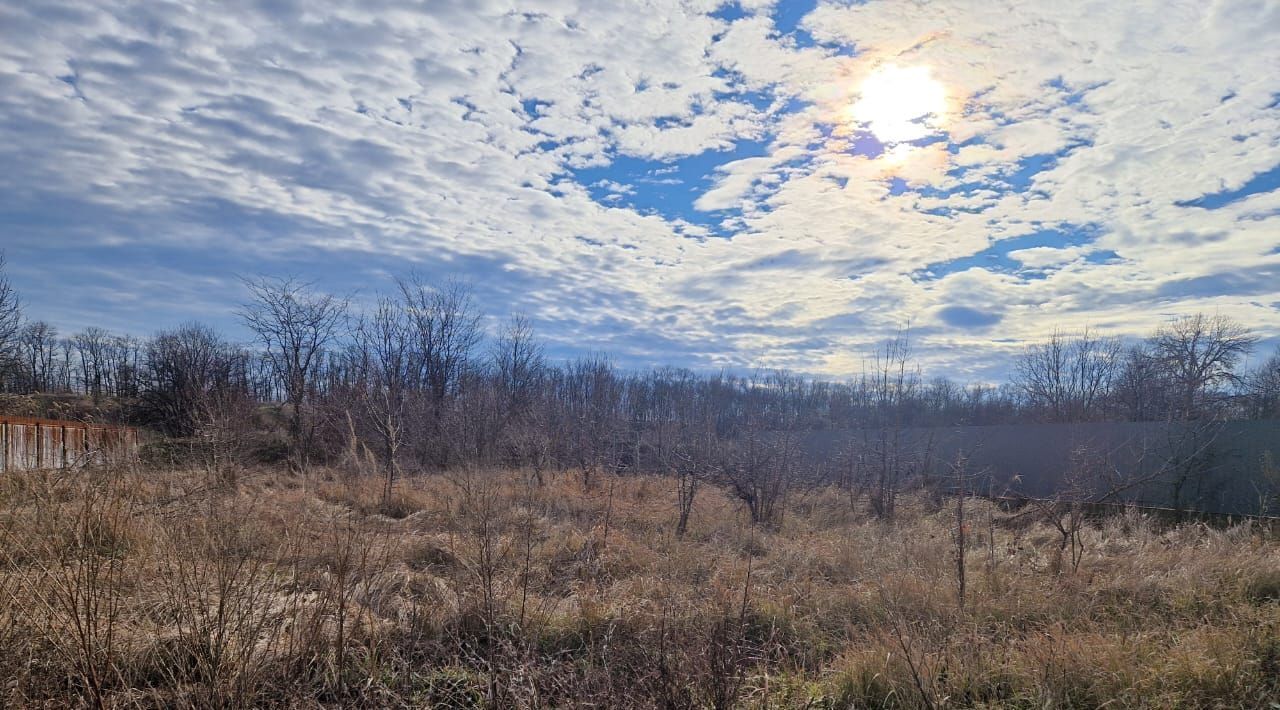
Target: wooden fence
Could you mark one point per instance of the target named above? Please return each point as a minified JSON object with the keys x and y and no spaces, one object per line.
{"x":28,"y":444}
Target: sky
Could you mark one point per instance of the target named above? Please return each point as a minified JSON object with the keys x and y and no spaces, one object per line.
{"x":702,"y":184}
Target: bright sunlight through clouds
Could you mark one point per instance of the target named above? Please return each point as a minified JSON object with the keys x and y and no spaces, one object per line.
{"x":900,"y":104}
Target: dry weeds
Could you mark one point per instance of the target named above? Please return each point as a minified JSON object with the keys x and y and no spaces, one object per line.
{"x":134,"y":588}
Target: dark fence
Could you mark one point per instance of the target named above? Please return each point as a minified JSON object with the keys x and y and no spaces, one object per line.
{"x":29,"y":444}
{"x":1215,"y":467}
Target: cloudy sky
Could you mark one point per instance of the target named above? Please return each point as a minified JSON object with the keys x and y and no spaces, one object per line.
{"x":779,"y":184}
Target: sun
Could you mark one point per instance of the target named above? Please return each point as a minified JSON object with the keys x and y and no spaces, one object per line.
{"x":900,"y":104}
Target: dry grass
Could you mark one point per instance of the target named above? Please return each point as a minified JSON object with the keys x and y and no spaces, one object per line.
{"x":171,"y":589}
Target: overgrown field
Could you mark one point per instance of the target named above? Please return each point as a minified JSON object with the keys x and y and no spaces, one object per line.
{"x":177,"y":589}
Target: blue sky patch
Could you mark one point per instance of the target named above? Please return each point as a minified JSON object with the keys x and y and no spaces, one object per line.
{"x":787,"y":17}
{"x":1020,"y":180}
{"x":729,"y":12}
{"x":996,"y":257}
{"x":665,"y":188}
{"x":1265,"y":181}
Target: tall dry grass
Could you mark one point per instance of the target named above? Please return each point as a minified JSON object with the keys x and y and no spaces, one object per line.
{"x":137,"y":588}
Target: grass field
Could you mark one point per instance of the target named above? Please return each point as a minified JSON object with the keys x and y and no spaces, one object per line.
{"x":146,"y":588}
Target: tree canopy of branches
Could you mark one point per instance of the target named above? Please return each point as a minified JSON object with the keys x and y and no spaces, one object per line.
{"x":385,"y":366}
{"x":1200,"y":353}
{"x":446,"y":328}
{"x":293,"y":324}
{"x":10,"y":323}
{"x":1264,"y":389}
{"x":1067,"y":377}
{"x":190,"y":372}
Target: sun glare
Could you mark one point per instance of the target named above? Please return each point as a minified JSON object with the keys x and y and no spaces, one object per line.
{"x":900,"y":104}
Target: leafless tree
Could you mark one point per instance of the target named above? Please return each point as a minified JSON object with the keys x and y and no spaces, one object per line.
{"x":759,"y":464}
{"x":887,"y":452}
{"x":1086,"y":484}
{"x":1199,"y":354}
{"x":190,"y":371}
{"x":685,"y":441}
{"x":1068,"y":377}
{"x":1189,"y":454}
{"x":293,"y":324}
{"x":519,"y":367}
{"x":591,"y":393}
{"x":944,"y":397}
{"x":67,"y":348}
{"x":963,"y":481}
{"x":39,"y":348}
{"x":10,"y":322}
{"x":1264,"y":389}
{"x":92,"y":346}
{"x":384,"y":358}
{"x":757,"y":471}
{"x":517,"y":363}
{"x":446,"y":326}
{"x":122,"y":355}
{"x":1194,"y":360}
{"x":1141,"y":389}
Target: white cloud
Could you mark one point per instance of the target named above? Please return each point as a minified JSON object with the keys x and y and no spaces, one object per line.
{"x":379,"y":129}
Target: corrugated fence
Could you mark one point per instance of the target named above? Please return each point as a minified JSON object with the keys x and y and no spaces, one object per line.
{"x":1237,"y":467}
{"x":28,"y":444}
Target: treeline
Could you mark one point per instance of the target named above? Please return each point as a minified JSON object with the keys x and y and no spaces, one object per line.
{"x":418,"y":380}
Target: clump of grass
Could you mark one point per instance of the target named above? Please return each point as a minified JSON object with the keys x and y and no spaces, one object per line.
{"x":1263,"y":586}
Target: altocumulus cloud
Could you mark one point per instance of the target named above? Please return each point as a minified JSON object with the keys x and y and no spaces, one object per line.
{"x":673,"y":181}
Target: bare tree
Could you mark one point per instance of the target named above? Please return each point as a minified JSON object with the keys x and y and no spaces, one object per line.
{"x":1264,"y":389}
{"x":67,"y":348}
{"x":91,"y":345}
{"x":446,"y":326}
{"x":887,"y":454}
{"x":591,"y":394}
{"x":1199,"y":353}
{"x":517,"y":363}
{"x":122,"y":356}
{"x":1141,"y":390}
{"x":519,"y":369}
{"x":1068,"y":377}
{"x":692,"y":451}
{"x":1085,"y":484}
{"x":758,"y":472}
{"x":963,"y":482}
{"x":294,"y":324}
{"x":758,"y":466}
{"x":39,"y":347}
{"x":197,"y":386}
{"x":1191,"y":363}
{"x":10,"y":323}
{"x":384,"y":353}
{"x":189,"y":369}
{"x":1193,"y":359}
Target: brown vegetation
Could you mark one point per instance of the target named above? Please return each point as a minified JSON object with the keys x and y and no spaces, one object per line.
{"x":162,"y":588}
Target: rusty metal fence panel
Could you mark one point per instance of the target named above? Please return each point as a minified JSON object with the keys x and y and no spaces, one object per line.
{"x":74,"y":445}
{"x":28,"y":444}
